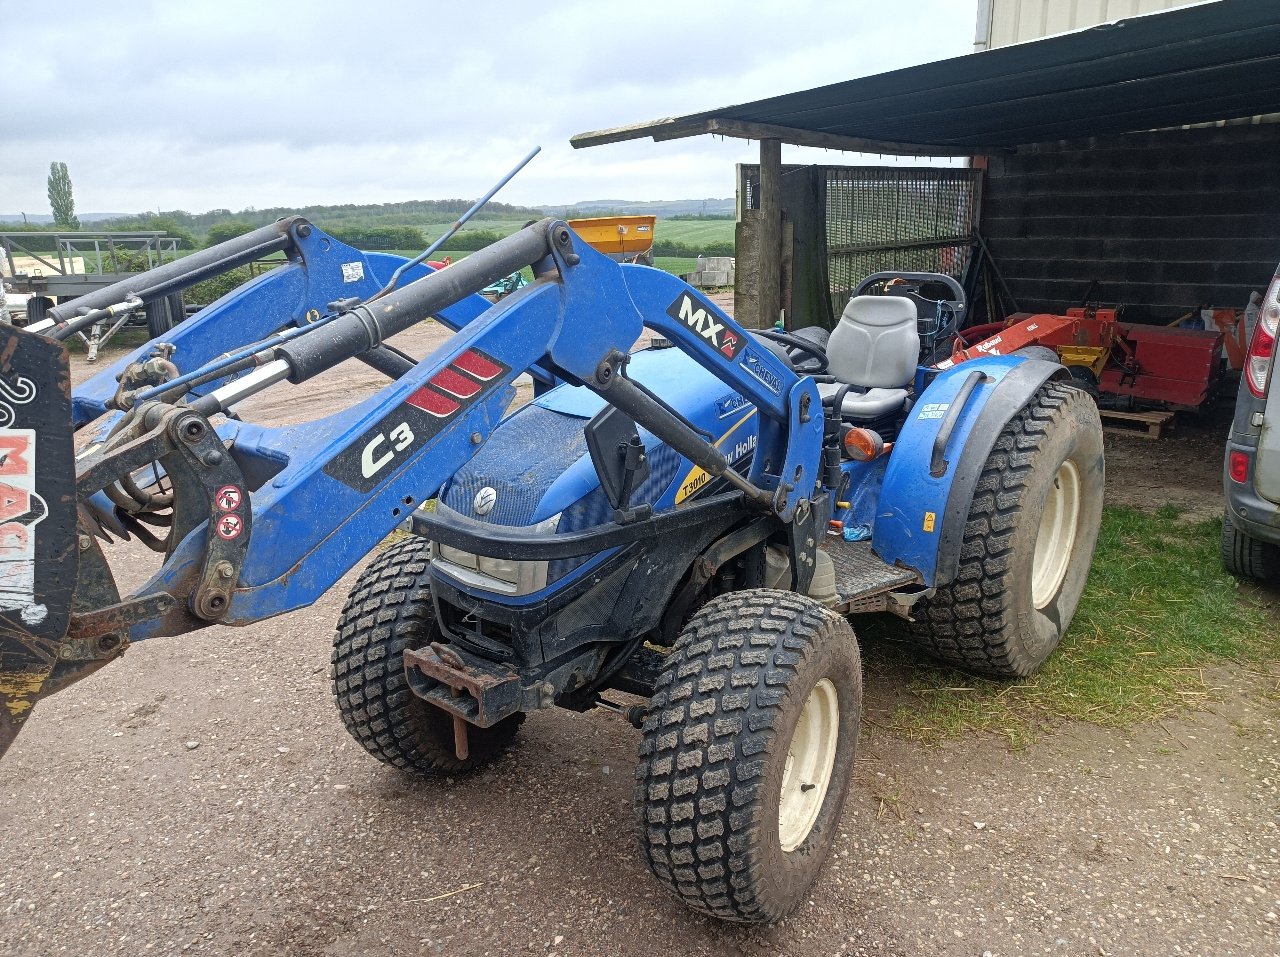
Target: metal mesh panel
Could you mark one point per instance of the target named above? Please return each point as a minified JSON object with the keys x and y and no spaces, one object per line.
{"x":913,"y":219}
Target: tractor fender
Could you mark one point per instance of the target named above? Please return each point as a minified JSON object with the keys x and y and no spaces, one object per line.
{"x":929,"y":484}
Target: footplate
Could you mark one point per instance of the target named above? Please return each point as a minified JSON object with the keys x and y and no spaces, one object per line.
{"x":468,"y":687}
{"x":864,"y":581}
{"x":38,"y":542}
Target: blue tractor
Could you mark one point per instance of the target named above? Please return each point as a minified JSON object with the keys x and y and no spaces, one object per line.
{"x":680,"y":532}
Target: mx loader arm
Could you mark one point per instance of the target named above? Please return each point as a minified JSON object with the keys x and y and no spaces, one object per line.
{"x":252,"y":521}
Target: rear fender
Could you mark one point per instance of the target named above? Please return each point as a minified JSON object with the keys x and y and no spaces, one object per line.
{"x":921,"y":516}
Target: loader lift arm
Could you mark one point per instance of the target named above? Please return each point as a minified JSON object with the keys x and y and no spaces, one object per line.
{"x":265,"y":520}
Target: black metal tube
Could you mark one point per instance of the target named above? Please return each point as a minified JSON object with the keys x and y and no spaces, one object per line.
{"x":624,"y":394}
{"x":368,"y":325}
{"x":65,"y":330}
{"x":183,"y":272}
{"x":392,"y":363}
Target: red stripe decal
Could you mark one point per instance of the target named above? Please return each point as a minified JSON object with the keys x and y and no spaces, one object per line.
{"x":449,"y":381}
{"x":432,"y":402}
{"x":477,"y":365}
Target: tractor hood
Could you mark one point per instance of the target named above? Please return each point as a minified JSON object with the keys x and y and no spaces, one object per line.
{"x":536,"y":461}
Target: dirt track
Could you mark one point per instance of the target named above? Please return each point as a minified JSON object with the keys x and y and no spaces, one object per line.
{"x":202,"y":797}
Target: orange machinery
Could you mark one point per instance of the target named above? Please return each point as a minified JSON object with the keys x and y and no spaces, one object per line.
{"x":1162,"y":366}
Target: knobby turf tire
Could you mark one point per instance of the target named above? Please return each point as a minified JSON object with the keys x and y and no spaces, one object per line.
{"x":159,"y":319}
{"x":985,"y":621}
{"x":38,"y":309}
{"x":389,"y":610}
{"x":1246,"y":557}
{"x":715,"y":745}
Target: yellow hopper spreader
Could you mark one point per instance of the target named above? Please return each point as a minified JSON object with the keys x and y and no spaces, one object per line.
{"x":621,"y":238}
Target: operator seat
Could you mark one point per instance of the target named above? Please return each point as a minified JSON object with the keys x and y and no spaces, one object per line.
{"x":875,"y":346}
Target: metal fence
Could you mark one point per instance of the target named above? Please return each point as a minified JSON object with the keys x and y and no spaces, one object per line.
{"x":878,"y":219}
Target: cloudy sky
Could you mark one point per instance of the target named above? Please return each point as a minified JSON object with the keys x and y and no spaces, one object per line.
{"x":202,"y":104}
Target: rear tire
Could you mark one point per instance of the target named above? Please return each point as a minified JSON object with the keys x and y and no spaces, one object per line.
{"x":389,"y":610}
{"x":38,"y":309}
{"x":748,"y":752}
{"x":1246,"y":557}
{"x":1028,"y":541}
{"x":160,"y":319}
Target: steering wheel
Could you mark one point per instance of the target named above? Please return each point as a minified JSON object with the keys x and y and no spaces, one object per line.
{"x":815,"y":360}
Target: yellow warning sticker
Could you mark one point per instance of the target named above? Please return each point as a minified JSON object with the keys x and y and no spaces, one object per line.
{"x":929,"y":519}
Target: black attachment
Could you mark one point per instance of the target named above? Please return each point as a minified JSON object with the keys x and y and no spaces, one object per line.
{"x":40,"y":547}
{"x":495,"y":541}
{"x":636,"y":402}
{"x":619,"y":458}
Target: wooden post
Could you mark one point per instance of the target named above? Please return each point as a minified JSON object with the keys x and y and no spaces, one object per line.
{"x":770,"y":263}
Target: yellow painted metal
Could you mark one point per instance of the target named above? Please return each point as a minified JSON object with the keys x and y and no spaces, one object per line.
{"x":1093,"y":358}
{"x":611,"y":235}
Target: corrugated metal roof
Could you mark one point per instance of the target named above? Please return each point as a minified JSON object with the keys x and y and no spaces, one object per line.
{"x":1216,"y":61}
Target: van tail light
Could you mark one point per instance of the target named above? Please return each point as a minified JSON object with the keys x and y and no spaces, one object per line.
{"x":1238,"y":467}
{"x":1263,"y":344}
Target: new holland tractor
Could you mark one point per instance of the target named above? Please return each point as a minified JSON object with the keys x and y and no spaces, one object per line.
{"x":680,"y":533}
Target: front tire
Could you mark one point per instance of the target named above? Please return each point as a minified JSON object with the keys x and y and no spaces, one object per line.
{"x":748,"y":753}
{"x":1028,"y":541}
{"x":389,"y":610}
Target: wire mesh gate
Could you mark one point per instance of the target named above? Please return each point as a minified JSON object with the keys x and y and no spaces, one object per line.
{"x":878,"y":219}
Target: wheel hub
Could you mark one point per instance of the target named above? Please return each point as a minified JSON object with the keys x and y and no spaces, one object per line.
{"x":1056,"y":536}
{"x":811,"y":755}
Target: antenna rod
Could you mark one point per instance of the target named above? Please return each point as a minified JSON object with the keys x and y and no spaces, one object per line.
{"x":458,"y":224}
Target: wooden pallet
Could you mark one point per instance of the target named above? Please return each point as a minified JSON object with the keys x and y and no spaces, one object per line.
{"x":1145,"y":425}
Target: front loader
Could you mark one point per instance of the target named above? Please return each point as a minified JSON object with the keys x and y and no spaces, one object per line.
{"x":679,"y":533}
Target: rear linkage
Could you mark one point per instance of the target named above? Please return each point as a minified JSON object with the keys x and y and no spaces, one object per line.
{"x":160,"y":461}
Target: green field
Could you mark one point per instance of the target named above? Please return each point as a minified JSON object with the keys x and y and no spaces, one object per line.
{"x":695,"y":232}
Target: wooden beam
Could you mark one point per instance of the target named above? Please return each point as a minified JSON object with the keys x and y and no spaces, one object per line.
{"x":770,"y":253}
{"x":673,"y":128}
{"x":616,"y":134}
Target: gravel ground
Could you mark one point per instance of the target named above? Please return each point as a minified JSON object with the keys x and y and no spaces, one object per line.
{"x":202,"y":797}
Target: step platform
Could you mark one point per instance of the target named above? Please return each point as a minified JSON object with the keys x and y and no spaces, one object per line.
{"x":863,"y":580}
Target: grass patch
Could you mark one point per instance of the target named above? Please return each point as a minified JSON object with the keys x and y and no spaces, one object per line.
{"x":1158,"y":609}
{"x":695,"y":232}
{"x":676,"y":265}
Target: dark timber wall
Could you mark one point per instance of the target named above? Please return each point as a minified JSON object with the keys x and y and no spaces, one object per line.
{"x":1162,"y":221}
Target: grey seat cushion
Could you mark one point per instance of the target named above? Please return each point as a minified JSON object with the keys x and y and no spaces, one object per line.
{"x":866,"y":405}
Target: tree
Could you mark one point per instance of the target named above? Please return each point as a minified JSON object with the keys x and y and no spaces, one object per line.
{"x":221,"y":232}
{"x":173,"y":228}
{"x":60,"y":198}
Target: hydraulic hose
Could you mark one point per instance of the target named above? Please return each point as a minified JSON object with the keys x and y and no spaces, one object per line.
{"x":366,"y":326}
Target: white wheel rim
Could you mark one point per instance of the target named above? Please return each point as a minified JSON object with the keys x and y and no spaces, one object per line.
{"x":810,"y":757}
{"x":1056,"y":536}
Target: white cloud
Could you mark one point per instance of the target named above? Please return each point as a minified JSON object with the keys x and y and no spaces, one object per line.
{"x":233,"y":104}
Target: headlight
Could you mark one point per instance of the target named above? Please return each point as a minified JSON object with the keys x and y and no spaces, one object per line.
{"x":503,"y":575}
{"x":503,"y":569}
{"x":455,"y":555}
